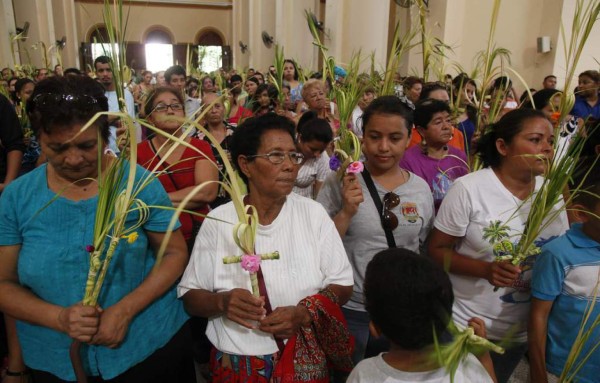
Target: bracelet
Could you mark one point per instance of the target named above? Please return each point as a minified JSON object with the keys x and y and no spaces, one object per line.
{"x":19,"y":373}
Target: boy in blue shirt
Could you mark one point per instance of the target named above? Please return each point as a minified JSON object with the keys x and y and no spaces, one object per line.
{"x":564,"y":283}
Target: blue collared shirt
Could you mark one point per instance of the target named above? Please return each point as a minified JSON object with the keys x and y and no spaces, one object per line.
{"x":584,"y":110}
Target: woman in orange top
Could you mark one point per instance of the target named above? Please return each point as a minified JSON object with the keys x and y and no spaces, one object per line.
{"x":438,"y":91}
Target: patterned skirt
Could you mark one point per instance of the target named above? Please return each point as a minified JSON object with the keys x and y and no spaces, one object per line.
{"x":231,"y":368}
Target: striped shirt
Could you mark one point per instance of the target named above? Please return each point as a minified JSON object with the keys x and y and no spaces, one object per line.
{"x":311,"y":171}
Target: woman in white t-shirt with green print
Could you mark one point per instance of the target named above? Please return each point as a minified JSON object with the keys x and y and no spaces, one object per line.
{"x":483,"y":216}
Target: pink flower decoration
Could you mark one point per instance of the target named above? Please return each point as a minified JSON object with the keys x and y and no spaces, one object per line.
{"x":251,"y":262}
{"x":90,"y":248}
{"x":355,"y":167}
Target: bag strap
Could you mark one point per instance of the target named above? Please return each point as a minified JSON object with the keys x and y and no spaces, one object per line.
{"x":389,"y":236}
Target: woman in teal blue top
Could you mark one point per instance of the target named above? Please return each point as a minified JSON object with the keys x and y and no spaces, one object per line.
{"x":138,"y":334}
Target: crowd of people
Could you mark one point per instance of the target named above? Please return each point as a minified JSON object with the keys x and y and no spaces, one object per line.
{"x":372,"y":265}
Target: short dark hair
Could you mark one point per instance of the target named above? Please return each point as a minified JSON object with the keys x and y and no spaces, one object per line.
{"x":549,"y":76}
{"x":252,"y":79}
{"x":388,"y":105}
{"x":410,"y":81}
{"x":175,"y":69}
{"x":102,"y":60}
{"x":310,"y":127}
{"x":74,"y":71}
{"x":246,"y":139}
{"x":59,"y":102}
{"x":190,"y":80}
{"x":21,"y":83}
{"x":588,"y":179}
{"x":426,"y":109}
{"x":235,"y":77}
{"x":502,"y":82}
{"x":408,"y":297}
{"x":593,"y":74}
{"x":506,"y":129}
{"x":430,"y":87}
{"x":148,"y":105}
{"x":541,"y":98}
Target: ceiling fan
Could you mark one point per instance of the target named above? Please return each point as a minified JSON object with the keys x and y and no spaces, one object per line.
{"x":267,"y":39}
{"x":60,"y":44}
{"x":243,"y":47}
{"x":23,"y":31}
{"x":319,"y":24}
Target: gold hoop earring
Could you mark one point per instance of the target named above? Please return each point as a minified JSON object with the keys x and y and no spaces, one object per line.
{"x":424,"y":147}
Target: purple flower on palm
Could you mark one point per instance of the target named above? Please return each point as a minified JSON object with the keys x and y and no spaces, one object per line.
{"x":334,"y":163}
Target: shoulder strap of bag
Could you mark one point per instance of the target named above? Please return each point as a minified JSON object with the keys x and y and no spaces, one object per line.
{"x":389,"y":236}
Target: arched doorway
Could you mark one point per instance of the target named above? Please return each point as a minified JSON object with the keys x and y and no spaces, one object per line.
{"x":158,"y":49}
{"x":212,"y":51}
{"x":96,"y":44}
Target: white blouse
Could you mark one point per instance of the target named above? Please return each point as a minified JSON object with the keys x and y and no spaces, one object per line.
{"x":311,"y":257}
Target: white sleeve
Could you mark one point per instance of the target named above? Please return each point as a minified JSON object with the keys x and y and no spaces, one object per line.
{"x":323,"y":167}
{"x":199,"y":273}
{"x":455,"y":212}
{"x":334,"y":262}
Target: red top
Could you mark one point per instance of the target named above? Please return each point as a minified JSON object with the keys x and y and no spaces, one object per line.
{"x":179,"y":175}
{"x":242,"y":113}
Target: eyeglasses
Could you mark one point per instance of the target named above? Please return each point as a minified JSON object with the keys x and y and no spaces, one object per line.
{"x":175,"y":107}
{"x":389,"y":219}
{"x":277,"y":157}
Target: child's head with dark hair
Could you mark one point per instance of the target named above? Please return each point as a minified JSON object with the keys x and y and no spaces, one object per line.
{"x":542,"y":99}
{"x":588,"y":181}
{"x":408,"y":297}
{"x":60,"y":102}
{"x":388,"y":105}
{"x":310,"y":128}
{"x":588,"y":196}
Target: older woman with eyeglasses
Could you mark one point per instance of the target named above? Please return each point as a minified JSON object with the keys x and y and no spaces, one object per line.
{"x":438,"y":163}
{"x":312,"y":272}
{"x":438,"y":91}
{"x":181,"y":168}
{"x":383,"y":207}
